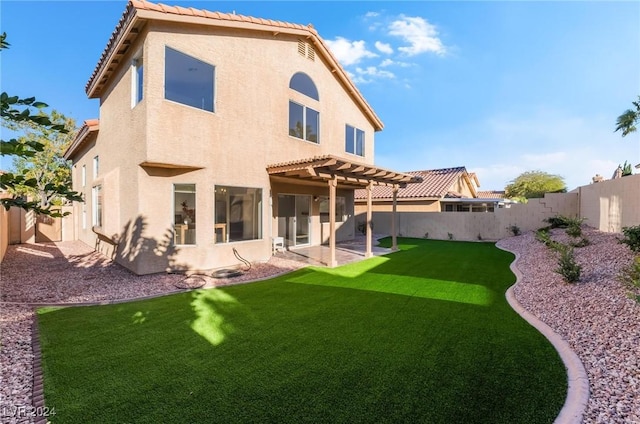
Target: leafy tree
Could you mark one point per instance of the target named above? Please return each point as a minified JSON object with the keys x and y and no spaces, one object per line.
{"x":48,"y":165}
{"x":16,"y":113}
{"x":533,"y":184}
{"x":629,"y":119}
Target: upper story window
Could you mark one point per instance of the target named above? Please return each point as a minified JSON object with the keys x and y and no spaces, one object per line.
{"x":354,"y":140}
{"x":96,"y":166}
{"x":303,"y":84}
{"x":137,"y":79}
{"x":304,"y":122}
{"x":188,"y":80}
{"x":96,"y":203}
{"x":84,"y":175}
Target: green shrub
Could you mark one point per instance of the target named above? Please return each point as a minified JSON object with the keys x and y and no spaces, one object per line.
{"x":567,"y":266}
{"x":543,"y":236}
{"x":557,"y":221}
{"x":574,"y":230}
{"x":631,"y":237}
{"x":630,"y":277}
{"x":581,"y":243}
{"x":514,"y":229}
{"x":560,"y":221}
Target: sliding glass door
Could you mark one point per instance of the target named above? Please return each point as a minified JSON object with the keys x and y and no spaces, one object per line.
{"x":294,"y":219}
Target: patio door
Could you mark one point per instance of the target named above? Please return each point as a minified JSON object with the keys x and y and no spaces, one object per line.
{"x":294,"y":219}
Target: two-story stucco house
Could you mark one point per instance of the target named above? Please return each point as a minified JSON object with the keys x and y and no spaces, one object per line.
{"x":219,"y":131}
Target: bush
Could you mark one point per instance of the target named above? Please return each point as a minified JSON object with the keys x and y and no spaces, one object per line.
{"x":574,"y":230}
{"x":567,"y":266}
{"x":631,"y":237}
{"x":514,"y":229}
{"x":581,"y":243}
{"x":560,"y":221}
{"x":543,"y":236}
{"x":630,"y":277}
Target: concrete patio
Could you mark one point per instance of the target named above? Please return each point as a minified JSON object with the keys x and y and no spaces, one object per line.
{"x":346,"y":252}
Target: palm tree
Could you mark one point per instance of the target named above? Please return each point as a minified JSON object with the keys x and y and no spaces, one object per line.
{"x":629,"y":119}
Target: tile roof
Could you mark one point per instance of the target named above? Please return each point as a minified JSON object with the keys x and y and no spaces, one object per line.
{"x":436,"y":183}
{"x":88,"y":128}
{"x":138,"y":12}
{"x":491,"y":194}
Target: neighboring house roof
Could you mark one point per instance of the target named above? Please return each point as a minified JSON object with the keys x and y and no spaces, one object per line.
{"x":491,"y":194}
{"x":139,"y":12}
{"x":86,"y":133}
{"x":436,"y":183}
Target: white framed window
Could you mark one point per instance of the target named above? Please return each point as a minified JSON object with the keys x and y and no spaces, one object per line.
{"x":354,"y":140}
{"x":137,"y":80}
{"x":96,"y":166}
{"x":188,"y":80}
{"x":84,"y":175}
{"x":184,"y":212}
{"x":238,"y":214}
{"x":341,"y":209}
{"x":96,"y":203}
{"x":304,"y":122}
{"x":84,"y":215}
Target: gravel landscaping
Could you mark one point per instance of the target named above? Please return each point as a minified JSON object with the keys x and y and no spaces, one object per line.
{"x":595,"y":316}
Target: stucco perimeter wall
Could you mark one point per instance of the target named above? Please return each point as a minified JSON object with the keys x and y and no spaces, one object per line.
{"x":608,"y":206}
{"x":4,"y":232}
{"x":613,"y":204}
{"x":477,"y":225}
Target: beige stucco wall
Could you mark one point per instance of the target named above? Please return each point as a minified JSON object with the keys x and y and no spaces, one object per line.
{"x":613,"y":204}
{"x":608,"y":206}
{"x":470,"y":225}
{"x":4,"y":232}
{"x":232,"y":146}
{"x":401,"y":206}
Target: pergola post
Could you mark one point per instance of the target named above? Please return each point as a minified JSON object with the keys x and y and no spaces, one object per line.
{"x":394,"y":238}
{"x":333,"y":183}
{"x":369,"y":234}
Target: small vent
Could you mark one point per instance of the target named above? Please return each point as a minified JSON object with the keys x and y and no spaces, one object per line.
{"x":306,"y":50}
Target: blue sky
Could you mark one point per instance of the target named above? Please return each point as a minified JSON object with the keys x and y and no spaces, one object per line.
{"x":498,"y":87}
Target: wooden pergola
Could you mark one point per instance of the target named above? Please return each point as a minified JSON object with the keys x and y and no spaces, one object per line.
{"x":334,"y":171}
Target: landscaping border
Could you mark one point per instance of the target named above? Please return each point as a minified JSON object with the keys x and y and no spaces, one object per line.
{"x":575,"y":405}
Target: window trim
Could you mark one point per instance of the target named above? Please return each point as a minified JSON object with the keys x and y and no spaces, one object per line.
{"x":96,"y":166}
{"x":137,"y":80}
{"x":355,"y":141}
{"x":213,"y":85}
{"x":97,"y":206}
{"x":176,"y":211}
{"x":304,"y":122}
{"x":84,"y":175}
{"x":259,"y":197}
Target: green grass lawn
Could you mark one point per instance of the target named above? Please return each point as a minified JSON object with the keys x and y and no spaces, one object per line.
{"x":422,"y":335}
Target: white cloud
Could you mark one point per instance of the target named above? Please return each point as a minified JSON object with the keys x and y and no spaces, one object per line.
{"x":349,"y":52}
{"x":384,"y":47}
{"x":387,"y":62}
{"x":367,"y":75}
{"x":371,"y":15}
{"x":419,"y":33}
{"x":501,"y":147}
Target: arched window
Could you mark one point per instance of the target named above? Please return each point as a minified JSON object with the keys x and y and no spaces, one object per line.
{"x":303,"y":84}
{"x":304,"y":122}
